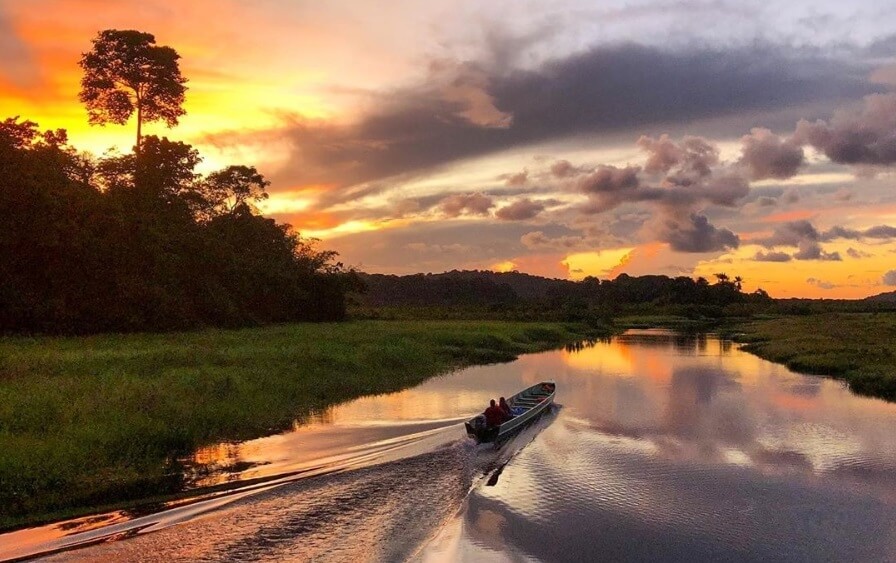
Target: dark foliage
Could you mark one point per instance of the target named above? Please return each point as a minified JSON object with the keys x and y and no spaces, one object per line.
{"x":142,"y":242}
{"x":518,"y":295}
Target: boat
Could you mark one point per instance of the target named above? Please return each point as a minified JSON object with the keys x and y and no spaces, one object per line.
{"x":526,"y":406}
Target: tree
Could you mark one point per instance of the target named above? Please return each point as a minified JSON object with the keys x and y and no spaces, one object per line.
{"x":233,"y":187}
{"x":127,"y":72}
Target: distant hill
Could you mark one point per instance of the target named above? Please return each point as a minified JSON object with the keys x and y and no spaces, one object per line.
{"x":888,"y":297}
{"x":471,"y":287}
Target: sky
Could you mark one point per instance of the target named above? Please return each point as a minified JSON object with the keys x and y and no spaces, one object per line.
{"x":564,"y":139}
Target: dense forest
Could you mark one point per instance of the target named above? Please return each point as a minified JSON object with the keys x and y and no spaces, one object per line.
{"x":143,"y":242}
{"x":468,"y":294}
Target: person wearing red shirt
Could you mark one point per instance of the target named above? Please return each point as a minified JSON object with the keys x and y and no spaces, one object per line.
{"x":494,"y":416}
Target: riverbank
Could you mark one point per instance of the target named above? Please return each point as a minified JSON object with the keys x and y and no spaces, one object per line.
{"x":96,"y":421}
{"x":859,"y":348}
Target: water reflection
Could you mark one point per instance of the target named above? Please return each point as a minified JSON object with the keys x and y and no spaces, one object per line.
{"x":667,"y":447}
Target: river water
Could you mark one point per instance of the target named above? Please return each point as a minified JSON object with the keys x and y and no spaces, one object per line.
{"x":662,"y":447}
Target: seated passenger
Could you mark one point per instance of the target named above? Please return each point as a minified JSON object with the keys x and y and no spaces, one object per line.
{"x":494,"y":416}
{"x":505,"y":408}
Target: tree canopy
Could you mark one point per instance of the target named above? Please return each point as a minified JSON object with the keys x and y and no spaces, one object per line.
{"x":126,"y":72}
{"x":144,"y":242}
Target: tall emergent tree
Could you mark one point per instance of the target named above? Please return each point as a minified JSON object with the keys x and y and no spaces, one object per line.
{"x":126,"y":72}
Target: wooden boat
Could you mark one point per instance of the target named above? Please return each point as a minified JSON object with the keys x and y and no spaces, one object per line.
{"x":526,"y":406}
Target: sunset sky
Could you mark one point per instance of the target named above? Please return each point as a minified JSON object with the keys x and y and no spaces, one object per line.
{"x":562,"y":139}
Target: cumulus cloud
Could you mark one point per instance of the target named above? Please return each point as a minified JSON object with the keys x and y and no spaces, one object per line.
{"x":520,"y":210}
{"x":889,"y":278}
{"x":766,"y":155}
{"x":791,"y":234}
{"x":473,"y":204}
{"x":684,"y":162}
{"x":772,"y":256}
{"x":608,"y":179}
{"x":865,"y":136}
{"x":693,"y":233}
{"x":811,"y":250}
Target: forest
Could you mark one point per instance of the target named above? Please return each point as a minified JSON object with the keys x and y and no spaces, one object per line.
{"x":139,"y":242}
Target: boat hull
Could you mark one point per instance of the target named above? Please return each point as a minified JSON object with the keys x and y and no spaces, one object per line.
{"x":530,"y":403}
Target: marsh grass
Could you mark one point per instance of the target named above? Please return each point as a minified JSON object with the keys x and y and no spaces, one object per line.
{"x":859,"y":348}
{"x":93,"y":421}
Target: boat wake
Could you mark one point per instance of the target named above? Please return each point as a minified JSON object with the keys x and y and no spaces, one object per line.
{"x":377,"y":500}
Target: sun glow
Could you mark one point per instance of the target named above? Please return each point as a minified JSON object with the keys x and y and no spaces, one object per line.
{"x":598,"y":264}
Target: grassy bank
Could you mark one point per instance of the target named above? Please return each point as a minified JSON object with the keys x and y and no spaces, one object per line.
{"x":859,"y":348}
{"x":91,"y":421}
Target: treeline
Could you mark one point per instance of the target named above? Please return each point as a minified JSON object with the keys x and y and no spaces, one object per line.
{"x":515,"y":295}
{"x":518,"y":295}
{"x":143,"y":242}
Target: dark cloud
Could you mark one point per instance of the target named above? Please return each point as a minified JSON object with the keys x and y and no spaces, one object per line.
{"x":854,"y":253}
{"x":693,"y":233}
{"x":884,"y":232}
{"x":889,"y":278}
{"x":604,"y":89}
{"x":473,"y":204}
{"x":520,"y":210}
{"x":865,"y":136}
{"x":811,"y":250}
{"x":609,"y":179}
{"x":772,"y":257}
{"x":766,"y":155}
{"x":791,"y":234}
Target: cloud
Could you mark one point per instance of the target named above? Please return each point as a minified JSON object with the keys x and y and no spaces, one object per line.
{"x":884,"y":232}
{"x":854,"y":253}
{"x":863,"y":136}
{"x":538,"y":240}
{"x":772,"y":257}
{"x":685,"y":161}
{"x":517,"y":179}
{"x":473,"y":204}
{"x":609,"y":179}
{"x":791,"y":234}
{"x":889,"y":278}
{"x":811,"y":250}
{"x":766,"y":155}
{"x":821,"y":283}
{"x":693,"y":233}
{"x":564,"y":169}
{"x":412,"y":129}
{"x":520,"y":210}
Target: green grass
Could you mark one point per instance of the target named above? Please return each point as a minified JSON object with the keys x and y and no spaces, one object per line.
{"x":94,"y":421}
{"x":859,"y":348}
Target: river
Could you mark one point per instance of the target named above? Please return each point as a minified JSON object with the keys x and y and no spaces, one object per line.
{"x":661,"y":447}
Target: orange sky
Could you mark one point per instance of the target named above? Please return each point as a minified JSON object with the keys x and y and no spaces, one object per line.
{"x":405,"y":137}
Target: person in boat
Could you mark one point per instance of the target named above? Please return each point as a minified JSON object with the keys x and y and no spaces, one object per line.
{"x":505,"y":408}
{"x":494,"y":416}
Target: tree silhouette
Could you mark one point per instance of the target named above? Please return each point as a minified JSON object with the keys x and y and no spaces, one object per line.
{"x":126,"y":72}
{"x":738,"y":282}
{"x":233,"y":187}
